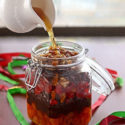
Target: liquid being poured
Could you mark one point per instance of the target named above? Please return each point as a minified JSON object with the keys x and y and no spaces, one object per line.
{"x":48,"y":25}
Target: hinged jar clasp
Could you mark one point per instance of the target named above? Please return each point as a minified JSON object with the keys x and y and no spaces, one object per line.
{"x":37,"y":69}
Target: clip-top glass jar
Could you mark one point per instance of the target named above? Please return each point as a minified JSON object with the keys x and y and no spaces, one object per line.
{"x":61,"y":94}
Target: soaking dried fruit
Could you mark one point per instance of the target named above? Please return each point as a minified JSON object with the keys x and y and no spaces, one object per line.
{"x":62,"y":96}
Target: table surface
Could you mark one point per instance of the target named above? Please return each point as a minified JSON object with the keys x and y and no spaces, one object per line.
{"x":108,"y":51}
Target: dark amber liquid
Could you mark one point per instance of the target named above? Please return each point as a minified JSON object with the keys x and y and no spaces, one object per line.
{"x":73,"y":118}
{"x":47,"y":24}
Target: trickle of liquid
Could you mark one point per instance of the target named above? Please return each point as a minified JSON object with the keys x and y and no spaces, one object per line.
{"x":48,"y":25}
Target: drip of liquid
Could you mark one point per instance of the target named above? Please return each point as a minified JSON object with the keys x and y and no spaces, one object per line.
{"x":48,"y":25}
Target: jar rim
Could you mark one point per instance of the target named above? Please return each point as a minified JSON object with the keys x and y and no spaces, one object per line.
{"x":45,"y":45}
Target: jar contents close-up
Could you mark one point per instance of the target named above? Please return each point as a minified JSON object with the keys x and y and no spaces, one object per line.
{"x":60,"y":92}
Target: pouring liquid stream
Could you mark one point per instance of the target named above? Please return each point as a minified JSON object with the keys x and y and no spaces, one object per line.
{"x":48,"y":26}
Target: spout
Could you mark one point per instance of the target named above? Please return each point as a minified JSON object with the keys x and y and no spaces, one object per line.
{"x":46,"y":7}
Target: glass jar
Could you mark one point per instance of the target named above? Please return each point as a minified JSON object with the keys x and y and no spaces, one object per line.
{"x":61,"y":94}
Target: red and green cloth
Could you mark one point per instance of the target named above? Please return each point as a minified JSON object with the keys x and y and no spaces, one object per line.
{"x":14,"y":108}
{"x":12,"y":60}
{"x":116,"y":118}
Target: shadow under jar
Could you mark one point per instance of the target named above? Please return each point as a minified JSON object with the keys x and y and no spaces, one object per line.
{"x":61,"y":94}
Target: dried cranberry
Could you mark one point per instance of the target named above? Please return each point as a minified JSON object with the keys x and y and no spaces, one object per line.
{"x":59,"y":89}
{"x":48,"y":88}
{"x":81,"y":86}
{"x":53,"y":87}
{"x":89,"y":95}
{"x":53,"y":102}
{"x":82,"y":89}
{"x":70,"y":87}
{"x":39,"y":88}
{"x":42,"y":81}
{"x":87,"y":85}
{"x":86,"y":91}
{"x":70,"y":95}
{"x":68,"y":53}
{"x":68,"y":101}
{"x":80,"y":94}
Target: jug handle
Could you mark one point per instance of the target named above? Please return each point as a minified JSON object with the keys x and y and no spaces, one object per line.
{"x":102,"y":81}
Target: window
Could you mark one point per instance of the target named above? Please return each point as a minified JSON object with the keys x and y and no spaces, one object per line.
{"x":85,"y":18}
{"x":90,"y":12}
